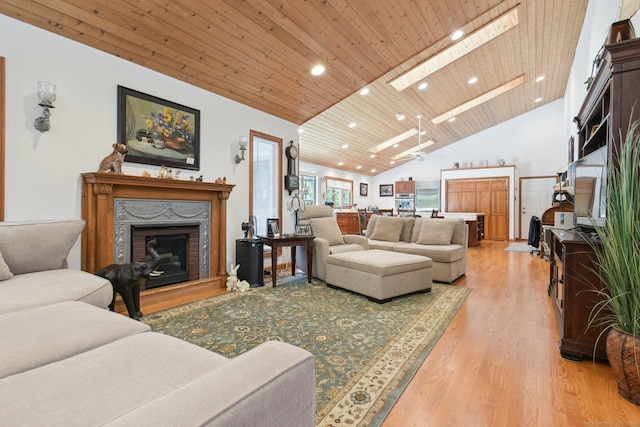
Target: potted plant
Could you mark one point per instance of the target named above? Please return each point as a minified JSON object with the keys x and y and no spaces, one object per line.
{"x":618,"y":255}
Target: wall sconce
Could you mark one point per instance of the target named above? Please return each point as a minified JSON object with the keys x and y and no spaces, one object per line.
{"x":47,"y":96}
{"x":242,"y":145}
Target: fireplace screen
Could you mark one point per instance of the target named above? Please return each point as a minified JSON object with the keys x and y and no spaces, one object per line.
{"x":178,"y":250}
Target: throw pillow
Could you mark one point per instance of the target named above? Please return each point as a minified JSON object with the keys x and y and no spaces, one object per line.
{"x":407,"y":229}
{"x":327,"y":228}
{"x":371,"y":225}
{"x":436,"y":232}
{"x":33,"y":246}
{"x":388,"y":229}
{"x":5,"y":273}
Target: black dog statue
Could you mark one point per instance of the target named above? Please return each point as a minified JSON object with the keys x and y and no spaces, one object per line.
{"x":125,"y":279}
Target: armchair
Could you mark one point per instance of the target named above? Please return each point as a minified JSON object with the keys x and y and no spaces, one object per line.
{"x":328,"y":239}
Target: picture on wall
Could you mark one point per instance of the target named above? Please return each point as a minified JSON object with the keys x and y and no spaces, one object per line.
{"x":364,"y":189}
{"x":157,"y":131}
{"x":386,"y":190}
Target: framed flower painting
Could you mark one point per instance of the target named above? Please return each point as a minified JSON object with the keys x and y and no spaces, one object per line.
{"x":157,"y":131}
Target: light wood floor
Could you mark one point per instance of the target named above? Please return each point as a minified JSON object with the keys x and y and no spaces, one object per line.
{"x":498,"y":364}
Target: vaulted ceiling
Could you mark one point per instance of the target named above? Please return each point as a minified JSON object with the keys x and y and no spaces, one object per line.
{"x":261,"y":52}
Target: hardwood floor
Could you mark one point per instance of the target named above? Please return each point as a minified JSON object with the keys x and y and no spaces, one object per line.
{"x":498,"y":363}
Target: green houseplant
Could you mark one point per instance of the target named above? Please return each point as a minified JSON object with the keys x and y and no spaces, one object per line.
{"x":618,"y":256}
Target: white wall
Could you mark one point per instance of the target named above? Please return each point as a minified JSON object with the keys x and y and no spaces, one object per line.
{"x":598,"y":19}
{"x":43,"y":170}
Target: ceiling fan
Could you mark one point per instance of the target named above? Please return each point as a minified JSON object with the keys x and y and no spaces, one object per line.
{"x":415,"y":154}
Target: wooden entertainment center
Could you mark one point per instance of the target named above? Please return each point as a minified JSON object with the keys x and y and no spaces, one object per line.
{"x":603,"y":117}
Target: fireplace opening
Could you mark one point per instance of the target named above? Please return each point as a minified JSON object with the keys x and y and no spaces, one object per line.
{"x":177,"y":247}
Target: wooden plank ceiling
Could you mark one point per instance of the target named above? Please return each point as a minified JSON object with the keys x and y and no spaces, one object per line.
{"x":260,"y":53}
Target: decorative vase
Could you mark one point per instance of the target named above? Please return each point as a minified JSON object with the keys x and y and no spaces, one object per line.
{"x":623,"y":352}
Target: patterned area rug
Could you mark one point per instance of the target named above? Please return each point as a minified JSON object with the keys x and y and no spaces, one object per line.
{"x":366,"y":352}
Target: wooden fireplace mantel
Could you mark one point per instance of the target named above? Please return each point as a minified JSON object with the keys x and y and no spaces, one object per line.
{"x":99,"y":190}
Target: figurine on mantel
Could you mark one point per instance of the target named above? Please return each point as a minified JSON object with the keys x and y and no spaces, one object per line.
{"x":222,"y":180}
{"x":198,"y":179}
{"x":113,"y":162}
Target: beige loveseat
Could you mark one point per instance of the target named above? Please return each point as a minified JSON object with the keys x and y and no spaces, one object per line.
{"x":66,"y":361}
{"x":445,"y":241}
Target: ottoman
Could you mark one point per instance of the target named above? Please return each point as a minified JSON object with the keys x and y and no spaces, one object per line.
{"x":379,"y":275}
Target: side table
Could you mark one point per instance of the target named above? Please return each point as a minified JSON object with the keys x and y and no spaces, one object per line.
{"x":276,"y":242}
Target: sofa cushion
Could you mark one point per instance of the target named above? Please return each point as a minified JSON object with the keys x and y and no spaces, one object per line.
{"x":55,"y":332}
{"x":53,"y":286}
{"x":388,"y":229}
{"x":5,"y":273}
{"x":438,"y":253}
{"x":380,"y":263}
{"x":436,"y":232}
{"x":327,"y":228}
{"x":381,"y":244}
{"x":30,"y":246}
{"x":352,"y":247}
{"x":100,"y":384}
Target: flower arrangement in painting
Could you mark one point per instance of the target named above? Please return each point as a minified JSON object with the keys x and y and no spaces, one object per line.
{"x":170,"y":124}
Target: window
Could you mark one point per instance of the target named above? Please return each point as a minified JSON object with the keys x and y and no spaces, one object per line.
{"x":308,"y":189}
{"x":339,"y":192}
{"x":264,"y":181}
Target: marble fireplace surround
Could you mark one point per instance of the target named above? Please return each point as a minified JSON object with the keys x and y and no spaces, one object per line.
{"x":111,"y":203}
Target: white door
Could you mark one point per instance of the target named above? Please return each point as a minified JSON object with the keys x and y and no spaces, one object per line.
{"x":536,"y":197}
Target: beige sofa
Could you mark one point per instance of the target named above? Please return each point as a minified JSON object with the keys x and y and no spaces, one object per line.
{"x":445,"y":241}
{"x":328,"y":239}
{"x":73,"y":363}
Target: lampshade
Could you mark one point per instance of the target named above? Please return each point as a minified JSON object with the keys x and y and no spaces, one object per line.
{"x":46,"y":93}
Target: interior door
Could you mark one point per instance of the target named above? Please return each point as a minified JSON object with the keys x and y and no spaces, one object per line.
{"x":536,"y":195}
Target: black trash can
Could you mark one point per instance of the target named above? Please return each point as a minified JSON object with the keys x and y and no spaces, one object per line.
{"x":249,"y":254}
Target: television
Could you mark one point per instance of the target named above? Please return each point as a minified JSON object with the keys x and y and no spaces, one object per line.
{"x":588,"y":177}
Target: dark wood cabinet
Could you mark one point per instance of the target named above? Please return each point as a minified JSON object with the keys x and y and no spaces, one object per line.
{"x":349,"y":222}
{"x":572,"y":286}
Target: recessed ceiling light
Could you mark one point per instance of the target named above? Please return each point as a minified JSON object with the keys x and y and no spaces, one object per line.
{"x":538,"y":100}
{"x":373,"y":170}
{"x":359,"y":167}
{"x":395,"y":145}
{"x":345,"y":146}
{"x":341,"y":163}
{"x":472,"y":80}
{"x":540,"y":78}
{"x":317,"y":70}
{"x":475,"y":40}
{"x":372,"y":156}
{"x":399,"y":116}
{"x":364,"y":91}
{"x":518,"y":81}
{"x":452,"y":119}
{"x":352,"y":125}
{"x":392,"y":162}
{"x":456,"y":35}
{"x":423,"y":86}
